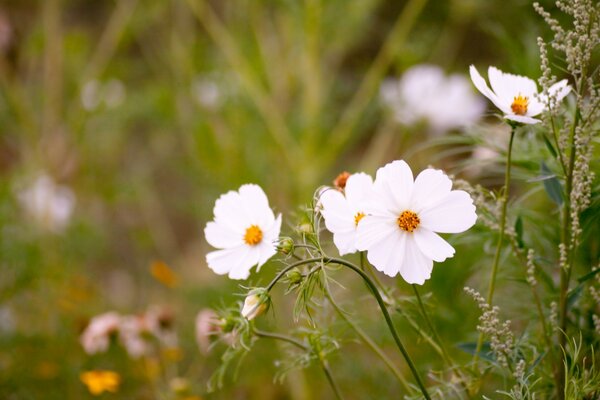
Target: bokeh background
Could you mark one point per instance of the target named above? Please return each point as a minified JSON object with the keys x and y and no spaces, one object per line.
{"x":148,"y":110}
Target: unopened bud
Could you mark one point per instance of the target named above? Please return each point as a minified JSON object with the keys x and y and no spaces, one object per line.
{"x":256,"y":303}
{"x":294,"y":277}
{"x":340,"y":181}
{"x":286,"y":245}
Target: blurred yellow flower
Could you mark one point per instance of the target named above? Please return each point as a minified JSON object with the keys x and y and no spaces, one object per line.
{"x":99,"y":381}
{"x":164,"y":274}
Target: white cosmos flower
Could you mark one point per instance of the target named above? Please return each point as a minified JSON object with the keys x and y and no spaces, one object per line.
{"x":398,"y":231}
{"x":244,"y":229}
{"x":344,"y":211}
{"x":517,"y":96}
{"x":96,"y":336}
{"x":426,"y":94}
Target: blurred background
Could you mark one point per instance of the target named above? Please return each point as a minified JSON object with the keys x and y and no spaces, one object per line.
{"x":122,"y":121}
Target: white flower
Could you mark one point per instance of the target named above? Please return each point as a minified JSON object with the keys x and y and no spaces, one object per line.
{"x":399,"y":229}
{"x":426,"y":94}
{"x":344,"y":211}
{"x":159,"y":321}
{"x":96,"y":336}
{"x":245,"y":229}
{"x":48,"y":204}
{"x":517,"y":96}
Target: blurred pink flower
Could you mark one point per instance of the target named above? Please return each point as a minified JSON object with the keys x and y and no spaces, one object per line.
{"x":207,"y":325}
{"x":96,"y":336}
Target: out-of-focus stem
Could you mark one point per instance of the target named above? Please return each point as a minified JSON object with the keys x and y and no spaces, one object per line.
{"x":504,"y":200}
{"x":368,"y":341}
{"x":387,"y":317}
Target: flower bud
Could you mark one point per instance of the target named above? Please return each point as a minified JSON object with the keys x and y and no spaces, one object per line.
{"x":286,"y":245}
{"x":256,"y":303}
{"x":294,"y":276}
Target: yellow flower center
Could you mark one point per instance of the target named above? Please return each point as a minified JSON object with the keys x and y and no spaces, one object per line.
{"x":253,"y":235}
{"x":519,"y":105}
{"x":358,"y":217}
{"x":408,"y":221}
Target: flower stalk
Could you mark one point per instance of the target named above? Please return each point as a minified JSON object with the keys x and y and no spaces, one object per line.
{"x":504,"y":201}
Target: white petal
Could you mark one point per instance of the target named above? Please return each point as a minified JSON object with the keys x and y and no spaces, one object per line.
{"x":508,"y":86}
{"x":242,"y":269}
{"x":432,"y":245}
{"x":416,"y":267}
{"x":266,"y":250}
{"x":522,"y":119}
{"x":345,"y":241}
{"x":387,"y":254}
{"x":336,"y":212}
{"x":560,"y":90}
{"x":535,"y":106}
{"x":482,"y":86}
{"x":255,"y":202}
{"x":430,"y":187}
{"x":358,"y":188}
{"x":221,"y":236}
{"x":225,"y":261}
{"x":393,"y":186}
{"x":454,"y":214}
{"x":229,"y":211}
{"x":271,"y":233}
{"x":372,"y":230}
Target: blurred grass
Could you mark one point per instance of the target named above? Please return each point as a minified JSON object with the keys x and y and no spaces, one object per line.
{"x":297,"y":103}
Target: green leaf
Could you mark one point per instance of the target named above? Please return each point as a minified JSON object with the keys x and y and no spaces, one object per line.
{"x":485,"y":352}
{"x":552,"y":185}
{"x":588,"y":276}
{"x":549,"y":146}
{"x":519,"y":232}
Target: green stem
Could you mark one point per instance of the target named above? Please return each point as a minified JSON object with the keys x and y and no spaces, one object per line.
{"x":565,"y":273}
{"x":290,"y":267}
{"x":387,"y":317}
{"x":334,"y":386}
{"x":445,"y":355}
{"x":504,"y":200}
{"x":278,"y":336}
{"x":322,"y":362}
{"x":368,"y":341}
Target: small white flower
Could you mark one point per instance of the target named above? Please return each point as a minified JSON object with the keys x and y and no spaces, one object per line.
{"x":344,"y":211}
{"x":517,"y":96}
{"x":426,"y":94}
{"x":244,"y":229}
{"x":399,"y":229}
{"x":96,"y":336}
{"x":48,"y":204}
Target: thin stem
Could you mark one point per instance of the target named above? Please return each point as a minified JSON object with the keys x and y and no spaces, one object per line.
{"x":367,"y":340}
{"x":278,"y":336}
{"x":282,"y":273}
{"x":334,"y":386}
{"x":565,"y":271}
{"x":504,"y":200}
{"x":297,"y":343}
{"x":431,"y":327}
{"x":387,"y":317}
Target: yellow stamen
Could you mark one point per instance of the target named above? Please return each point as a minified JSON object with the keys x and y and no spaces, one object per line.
{"x":99,"y":382}
{"x":408,"y":221}
{"x":358,"y":217}
{"x":253,"y":235}
{"x":519,"y":105}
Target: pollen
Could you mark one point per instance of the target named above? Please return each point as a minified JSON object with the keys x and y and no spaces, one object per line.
{"x":358,"y":217}
{"x":519,"y":105}
{"x":408,"y":221}
{"x":253,"y":235}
